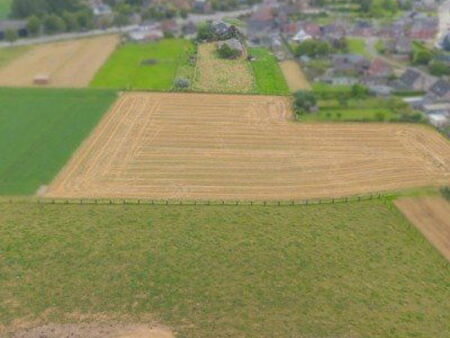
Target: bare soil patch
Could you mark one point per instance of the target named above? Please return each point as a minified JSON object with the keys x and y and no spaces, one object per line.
{"x":184,"y":146}
{"x":217,"y":75}
{"x":94,"y":330}
{"x":66,"y":64}
{"x":431,"y":215}
{"x":295,"y":78}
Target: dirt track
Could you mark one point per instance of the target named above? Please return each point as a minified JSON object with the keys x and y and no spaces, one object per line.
{"x":431,"y":215}
{"x":68,"y":64}
{"x":295,"y":78}
{"x":196,"y":146}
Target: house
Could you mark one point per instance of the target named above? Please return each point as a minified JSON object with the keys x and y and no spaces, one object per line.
{"x":439,"y":92}
{"x":148,"y":32}
{"x":223,"y":30}
{"x":401,"y":46}
{"x":379,"y":68}
{"x":350,"y":64}
{"x":301,"y":36}
{"x":261,"y":24}
{"x":170,"y":27}
{"x":423,"y":29}
{"x":202,"y":7}
{"x":363,"y":28}
{"x":234,"y":44}
{"x":189,"y":30}
{"x":99,"y":8}
{"x":18,"y":26}
{"x":312,"y":29}
{"x":412,"y":80}
{"x":334,"y":31}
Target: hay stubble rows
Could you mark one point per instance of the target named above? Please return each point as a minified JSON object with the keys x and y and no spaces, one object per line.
{"x":197,"y":146}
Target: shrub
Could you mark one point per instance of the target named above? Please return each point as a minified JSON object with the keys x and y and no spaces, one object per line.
{"x":226,"y":52}
{"x":304,"y":102}
{"x":445,"y":191}
{"x":182,"y":83}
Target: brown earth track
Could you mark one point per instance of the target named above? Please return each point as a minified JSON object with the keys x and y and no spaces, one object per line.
{"x":199,"y":146}
{"x":431,"y":215}
{"x":70,"y":64}
{"x":294,"y":76}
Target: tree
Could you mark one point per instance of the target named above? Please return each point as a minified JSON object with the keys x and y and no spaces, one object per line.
{"x":71,"y":21}
{"x":422,"y":57}
{"x":34,"y":25}
{"x":313,"y":48}
{"x":11,"y":35}
{"x":54,"y":24}
{"x":359,"y":92}
{"x":205,"y":32}
{"x":26,"y":8}
{"x":181,"y":83}
{"x":304,"y":102}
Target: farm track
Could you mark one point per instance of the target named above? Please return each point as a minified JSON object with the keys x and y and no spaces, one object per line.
{"x":196,"y":146}
{"x":70,"y":64}
{"x":431,"y":215}
{"x":294,"y":76}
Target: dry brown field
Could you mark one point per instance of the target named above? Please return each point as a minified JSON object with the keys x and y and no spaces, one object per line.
{"x":68,"y":64}
{"x":213,"y":74}
{"x":431,"y":215}
{"x":295,"y":78}
{"x":200,"y":146}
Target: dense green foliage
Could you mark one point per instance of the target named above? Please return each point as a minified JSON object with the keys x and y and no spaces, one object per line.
{"x":144,"y":66}
{"x":26,"y":8}
{"x":268,"y":76}
{"x":304,"y":102}
{"x":40,"y":129}
{"x":5,"y":6}
{"x":357,"y":269}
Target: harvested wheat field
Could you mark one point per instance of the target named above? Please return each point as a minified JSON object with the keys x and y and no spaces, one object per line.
{"x":431,"y":215}
{"x":70,"y":64}
{"x":295,"y":78}
{"x":213,"y":74}
{"x":200,"y":146}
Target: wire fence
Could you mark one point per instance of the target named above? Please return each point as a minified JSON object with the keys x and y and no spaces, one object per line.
{"x":173,"y":202}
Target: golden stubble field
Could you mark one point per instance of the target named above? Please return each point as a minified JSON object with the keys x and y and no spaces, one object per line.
{"x":295,"y":78}
{"x":431,"y":216}
{"x":225,"y":147}
{"x":221,"y":76}
{"x":70,"y":64}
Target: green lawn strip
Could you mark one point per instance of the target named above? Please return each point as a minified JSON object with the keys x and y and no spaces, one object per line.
{"x":357,"y":46}
{"x":5,"y":7}
{"x":130,"y":66}
{"x":351,"y":269}
{"x":322,"y":88}
{"x":269,"y":78}
{"x":10,"y":53}
{"x":40,"y":129}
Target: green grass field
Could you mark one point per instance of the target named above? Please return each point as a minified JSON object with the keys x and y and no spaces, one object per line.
{"x":5,"y":6}
{"x":125,"y":68}
{"x":343,"y":270}
{"x":268,"y":76}
{"x":40,"y":129}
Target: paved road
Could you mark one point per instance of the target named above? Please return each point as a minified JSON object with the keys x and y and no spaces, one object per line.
{"x":444,"y":21}
{"x":196,"y":18}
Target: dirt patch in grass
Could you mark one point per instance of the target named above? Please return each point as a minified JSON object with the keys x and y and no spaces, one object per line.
{"x":94,"y":330}
{"x":431,"y":215}
{"x":214,"y":74}
{"x":216,"y":147}
{"x":295,"y":78}
{"x":70,"y":64}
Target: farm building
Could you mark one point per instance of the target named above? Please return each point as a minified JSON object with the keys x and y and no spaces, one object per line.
{"x":18,"y":26}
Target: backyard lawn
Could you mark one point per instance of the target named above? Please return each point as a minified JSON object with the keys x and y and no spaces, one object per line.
{"x":337,"y":270}
{"x":40,"y":129}
{"x":151,"y":66}
{"x":268,"y":76}
{"x":357,"y":46}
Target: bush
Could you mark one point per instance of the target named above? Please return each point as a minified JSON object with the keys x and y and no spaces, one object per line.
{"x":304,"y":102}
{"x":445,"y":191}
{"x":226,"y":52}
{"x":182,"y":83}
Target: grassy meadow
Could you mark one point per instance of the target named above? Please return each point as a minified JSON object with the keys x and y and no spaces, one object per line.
{"x":151,"y":66}
{"x":40,"y":129}
{"x":337,"y":270}
{"x":5,"y":6}
{"x":268,"y":76}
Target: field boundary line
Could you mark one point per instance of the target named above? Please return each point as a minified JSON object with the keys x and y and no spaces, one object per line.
{"x":174,"y":202}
